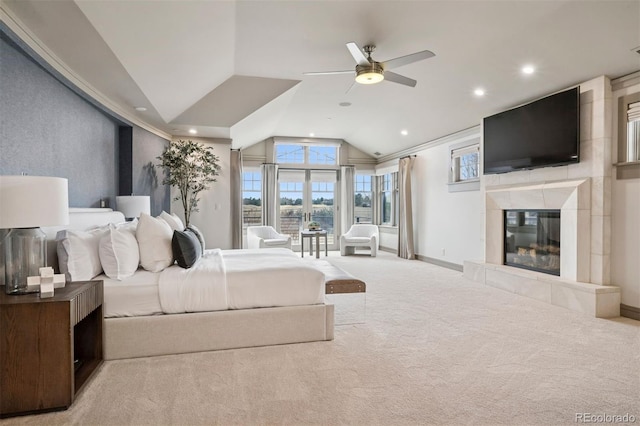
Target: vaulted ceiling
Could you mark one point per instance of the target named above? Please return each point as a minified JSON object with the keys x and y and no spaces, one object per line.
{"x":234,"y":69}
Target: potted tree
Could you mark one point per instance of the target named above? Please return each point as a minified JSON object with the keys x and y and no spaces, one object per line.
{"x":191,"y":167}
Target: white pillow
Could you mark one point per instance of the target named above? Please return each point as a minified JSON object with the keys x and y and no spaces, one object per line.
{"x":78,"y":254}
{"x":119,"y":253}
{"x":174,"y":221}
{"x":154,"y":241}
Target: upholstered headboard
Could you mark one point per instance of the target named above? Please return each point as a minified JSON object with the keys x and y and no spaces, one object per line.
{"x":79,"y":219}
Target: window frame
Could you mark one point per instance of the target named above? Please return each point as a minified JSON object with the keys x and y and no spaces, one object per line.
{"x":392,"y":190}
{"x":456,"y":152}
{"x":371,"y":193}
{"x":306,"y":156}
{"x":253,"y":171}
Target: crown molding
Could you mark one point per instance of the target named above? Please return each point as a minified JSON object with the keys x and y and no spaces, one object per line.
{"x":462,"y":135}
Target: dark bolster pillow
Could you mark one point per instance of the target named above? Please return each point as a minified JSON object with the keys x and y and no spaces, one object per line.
{"x":186,"y":248}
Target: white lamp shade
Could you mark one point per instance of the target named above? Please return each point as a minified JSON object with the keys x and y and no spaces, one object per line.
{"x":33,"y":201}
{"x":133,"y":205}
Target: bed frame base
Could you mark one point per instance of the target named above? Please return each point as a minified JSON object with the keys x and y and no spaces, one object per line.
{"x":134,"y":337}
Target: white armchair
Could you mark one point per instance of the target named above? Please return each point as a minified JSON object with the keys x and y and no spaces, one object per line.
{"x":266,"y":237}
{"x":360,"y":235}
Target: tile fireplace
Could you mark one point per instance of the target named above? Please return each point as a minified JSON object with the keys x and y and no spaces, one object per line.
{"x":527,"y":227}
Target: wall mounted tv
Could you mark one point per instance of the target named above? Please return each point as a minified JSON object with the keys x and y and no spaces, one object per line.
{"x":540,"y":134}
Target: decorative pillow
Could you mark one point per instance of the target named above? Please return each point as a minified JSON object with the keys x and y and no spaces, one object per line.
{"x":119,"y":253}
{"x":177,"y":218}
{"x":198,"y":234}
{"x":154,"y":241}
{"x":174,"y":221}
{"x":78,"y":253}
{"x":186,"y":248}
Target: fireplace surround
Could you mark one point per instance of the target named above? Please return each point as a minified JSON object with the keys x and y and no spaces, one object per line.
{"x":582,"y":192}
{"x":573,"y":288}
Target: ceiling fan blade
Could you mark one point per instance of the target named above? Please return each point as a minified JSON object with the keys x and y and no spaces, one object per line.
{"x":357,"y":54}
{"x":329,"y":72}
{"x":408,"y":59}
{"x":397,"y":78}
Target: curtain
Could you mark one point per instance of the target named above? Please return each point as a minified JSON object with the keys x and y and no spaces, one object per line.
{"x":347,"y":196}
{"x":270,"y":200}
{"x":236,"y":198}
{"x":405,"y":213}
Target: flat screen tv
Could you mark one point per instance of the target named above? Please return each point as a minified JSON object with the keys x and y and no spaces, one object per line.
{"x":543,"y":133}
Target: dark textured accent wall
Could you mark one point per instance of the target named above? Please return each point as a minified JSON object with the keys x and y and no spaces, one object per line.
{"x":146,"y":176}
{"x":46,"y":129}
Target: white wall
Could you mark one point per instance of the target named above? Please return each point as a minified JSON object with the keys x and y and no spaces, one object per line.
{"x":625,"y":223}
{"x":443,"y":220}
{"x":214,"y":215}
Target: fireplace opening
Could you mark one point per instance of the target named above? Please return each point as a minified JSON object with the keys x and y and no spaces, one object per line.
{"x":532,"y":240}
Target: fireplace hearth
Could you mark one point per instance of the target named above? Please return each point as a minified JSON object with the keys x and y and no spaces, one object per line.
{"x":532,"y":240}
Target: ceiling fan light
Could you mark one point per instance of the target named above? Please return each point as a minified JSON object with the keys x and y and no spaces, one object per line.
{"x":369,"y":74}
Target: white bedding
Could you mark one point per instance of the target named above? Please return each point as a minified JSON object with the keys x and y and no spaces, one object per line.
{"x":200,"y":288}
{"x":253,"y":279}
{"x":136,"y":296}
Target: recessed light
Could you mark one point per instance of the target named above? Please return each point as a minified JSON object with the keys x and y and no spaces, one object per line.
{"x":528,"y":69}
{"x":404,"y":132}
{"x":141,"y":109}
{"x":193,"y":131}
{"x":311,"y":135}
{"x":345,"y":104}
{"x":479,"y":92}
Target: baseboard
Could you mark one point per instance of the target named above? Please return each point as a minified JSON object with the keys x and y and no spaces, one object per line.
{"x":629,"y":312}
{"x":388,"y":250}
{"x":439,"y":262}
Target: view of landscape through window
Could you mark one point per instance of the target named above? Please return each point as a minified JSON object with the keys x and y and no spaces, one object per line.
{"x":251,"y":199}
{"x":321,"y":191}
{"x":363,"y":196}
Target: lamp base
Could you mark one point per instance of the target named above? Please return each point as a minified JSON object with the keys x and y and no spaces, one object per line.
{"x":24,"y":254}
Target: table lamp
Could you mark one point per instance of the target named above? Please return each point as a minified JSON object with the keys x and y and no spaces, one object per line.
{"x":26,"y":204}
{"x":132,"y":205}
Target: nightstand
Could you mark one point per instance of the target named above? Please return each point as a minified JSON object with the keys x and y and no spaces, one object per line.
{"x":48,"y":347}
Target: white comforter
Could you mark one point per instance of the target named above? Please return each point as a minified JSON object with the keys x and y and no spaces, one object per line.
{"x":200,"y":288}
{"x":241,"y":279}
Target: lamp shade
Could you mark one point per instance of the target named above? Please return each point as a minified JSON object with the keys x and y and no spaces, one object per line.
{"x":33,"y":201}
{"x":133,"y":205}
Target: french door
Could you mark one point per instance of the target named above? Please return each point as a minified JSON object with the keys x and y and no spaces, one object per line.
{"x":307,"y":196}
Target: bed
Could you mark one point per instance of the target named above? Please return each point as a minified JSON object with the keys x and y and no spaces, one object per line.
{"x":263,"y":297}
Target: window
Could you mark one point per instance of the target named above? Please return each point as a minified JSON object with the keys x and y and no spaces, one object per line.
{"x":388,"y":196}
{"x":363,"y":209}
{"x":326,"y":155}
{"x":464,"y":166}
{"x":464,"y":163}
{"x":290,"y":154}
{"x":628,"y":161}
{"x":633,"y":132}
{"x":323,"y":155}
{"x":251,"y":198}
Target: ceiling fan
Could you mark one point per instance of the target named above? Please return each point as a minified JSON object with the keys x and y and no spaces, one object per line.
{"x":369,"y":71}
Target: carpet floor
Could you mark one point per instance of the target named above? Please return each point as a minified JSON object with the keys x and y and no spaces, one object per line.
{"x":434,"y":348}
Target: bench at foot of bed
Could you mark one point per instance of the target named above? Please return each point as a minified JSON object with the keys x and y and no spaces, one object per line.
{"x":339,"y":281}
